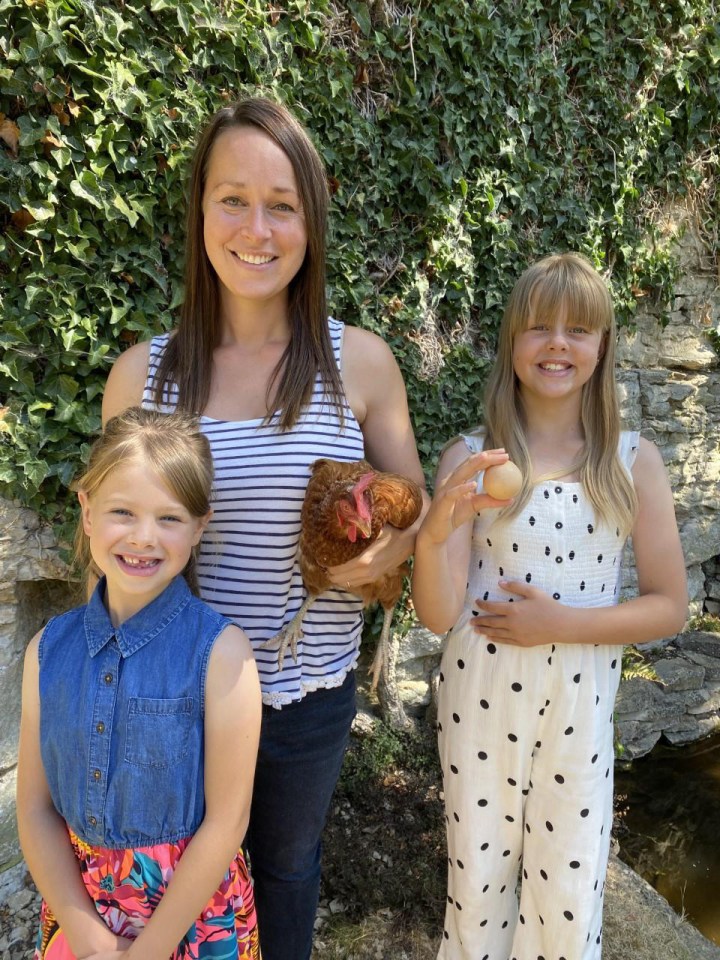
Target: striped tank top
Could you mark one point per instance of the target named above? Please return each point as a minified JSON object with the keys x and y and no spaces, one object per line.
{"x":248,"y":569}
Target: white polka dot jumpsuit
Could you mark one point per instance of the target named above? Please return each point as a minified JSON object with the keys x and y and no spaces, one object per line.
{"x":526,"y":742}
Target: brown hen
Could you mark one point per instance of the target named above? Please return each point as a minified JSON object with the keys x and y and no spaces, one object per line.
{"x":346,"y":506}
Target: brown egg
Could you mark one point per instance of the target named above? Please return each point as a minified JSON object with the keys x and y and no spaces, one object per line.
{"x":502,"y":481}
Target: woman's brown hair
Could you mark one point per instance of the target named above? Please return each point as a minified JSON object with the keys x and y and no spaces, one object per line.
{"x":187,"y":361}
{"x":168,"y":443}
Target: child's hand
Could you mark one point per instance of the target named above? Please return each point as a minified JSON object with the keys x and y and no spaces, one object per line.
{"x":533,"y":620}
{"x":456,"y":498}
{"x":119,"y":952}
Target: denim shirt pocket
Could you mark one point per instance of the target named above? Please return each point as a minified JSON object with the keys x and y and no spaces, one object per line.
{"x":158,"y":730}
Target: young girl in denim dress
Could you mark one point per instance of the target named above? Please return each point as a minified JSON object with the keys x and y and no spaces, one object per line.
{"x":529,"y":590}
{"x":130,"y":815}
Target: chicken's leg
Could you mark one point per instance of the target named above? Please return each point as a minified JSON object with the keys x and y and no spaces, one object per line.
{"x":290,"y":633}
{"x":384,"y":679}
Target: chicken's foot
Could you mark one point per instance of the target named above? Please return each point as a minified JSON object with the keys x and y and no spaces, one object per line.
{"x":290,"y":634}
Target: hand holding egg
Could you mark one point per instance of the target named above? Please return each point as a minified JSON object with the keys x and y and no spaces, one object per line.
{"x":502,"y":481}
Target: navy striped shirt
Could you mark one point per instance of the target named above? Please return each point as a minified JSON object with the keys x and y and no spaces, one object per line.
{"x":248,"y":568}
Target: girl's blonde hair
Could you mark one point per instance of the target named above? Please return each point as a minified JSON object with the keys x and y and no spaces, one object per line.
{"x":168,"y":443}
{"x":567,"y":281}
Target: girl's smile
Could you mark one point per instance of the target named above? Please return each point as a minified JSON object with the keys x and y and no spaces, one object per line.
{"x":141,"y":536}
{"x":557,"y":355}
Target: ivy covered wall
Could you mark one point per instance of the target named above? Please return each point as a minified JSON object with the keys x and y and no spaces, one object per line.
{"x":462,"y":139}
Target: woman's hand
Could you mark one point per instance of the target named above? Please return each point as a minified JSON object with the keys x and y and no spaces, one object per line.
{"x":456,"y":498}
{"x":391,"y":548}
{"x":530,"y":619}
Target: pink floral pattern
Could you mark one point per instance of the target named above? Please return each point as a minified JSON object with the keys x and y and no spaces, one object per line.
{"x":127,"y":885}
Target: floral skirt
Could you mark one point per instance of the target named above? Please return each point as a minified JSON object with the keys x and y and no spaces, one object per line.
{"x":127,"y":885}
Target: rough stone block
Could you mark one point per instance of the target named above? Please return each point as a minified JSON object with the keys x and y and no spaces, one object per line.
{"x":677,"y":674}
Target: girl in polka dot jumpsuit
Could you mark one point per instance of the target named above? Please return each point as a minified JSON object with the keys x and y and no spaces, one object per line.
{"x":530,"y":589}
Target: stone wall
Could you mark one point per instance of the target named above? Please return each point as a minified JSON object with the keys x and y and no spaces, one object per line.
{"x":670,"y":381}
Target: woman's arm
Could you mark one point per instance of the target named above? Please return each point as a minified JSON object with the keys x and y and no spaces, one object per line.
{"x":658,"y":611}
{"x":442,"y":549}
{"x":126,"y":381}
{"x":44,"y":838}
{"x":232,"y":733}
{"x":376,"y":393}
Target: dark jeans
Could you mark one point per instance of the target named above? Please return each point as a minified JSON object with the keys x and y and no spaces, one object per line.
{"x":301,"y":752}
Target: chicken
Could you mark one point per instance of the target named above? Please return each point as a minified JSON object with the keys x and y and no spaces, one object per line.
{"x":346,"y":506}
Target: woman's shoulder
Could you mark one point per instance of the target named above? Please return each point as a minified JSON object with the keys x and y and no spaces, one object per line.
{"x":126,"y":380}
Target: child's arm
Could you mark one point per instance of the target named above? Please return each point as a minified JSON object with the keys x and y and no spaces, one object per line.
{"x":442,"y":548}
{"x":44,"y":838}
{"x":659,"y":610}
{"x":232,"y":733}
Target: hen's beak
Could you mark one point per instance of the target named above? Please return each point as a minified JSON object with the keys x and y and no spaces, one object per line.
{"x":364,"y":527}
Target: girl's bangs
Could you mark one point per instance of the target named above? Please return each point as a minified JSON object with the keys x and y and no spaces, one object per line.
{"x":583,"y":295}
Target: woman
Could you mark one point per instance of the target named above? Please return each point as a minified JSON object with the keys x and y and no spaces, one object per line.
{"x":277,"y":385}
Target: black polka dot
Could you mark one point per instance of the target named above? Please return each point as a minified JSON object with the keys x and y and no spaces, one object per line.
{"x":461,"y":664}
{"x":599,"y":558}
{"x":571,"y":555}
{"x":558,"y":559}
{"x":512,"y":738}
{"x":547,"y":551}
{"x":486,"y":595}
{"x":513,"y":783}
{"x":489,"y":543}
{"x":461,"y":864}
{"x":590,"y":528}
{"x":458,"y":905}
{"x":476,"y":613}
{"x":558,"y":525}
{"x":558,"y":489}
{"x":532,"y":521}
{"x":491,"y":648}
{"x":503,"y":888}
{"x":456,"y":718}
{"x":517,"y":687}
{"x":574,"y":864}
{"x":546,"y":494}
{"x":482,"y":803}
{"x":504,"y":924}
{"x":568,"y":731}
{"x":453,"y":768}
{"x":543,"y":875}
{"x":538,"y":744}
{"x":527,"y":827}
{"x":593,"y":758}
{"x":502,"y":572}
{"x":506,"y":853}
{"x":528,"y":577}
{"x":559,"y":778}
{"x":522,"y":919}
{"x":480,"y":565}
{"x":541,"y":920}
{"x":457,"y":818}
{"x":509,"y":818}
{"x":575,"y":498}
{"x":576,"y":678}
{"x":613,"y":664}
{"x":484,"y":846}
{"x":484,"y":704}
{"x":549,"y":826}
{"x":442,"y":677}
{"x":567,"y":915}
{"x":450,"y":899}
{"x":446,"y":934}
{"x":482,"y":755}
{"x":515,"y":548}
{"x":556,"y":596}
{"x":584,"y":812}
{"x":483,"y":923}
{"x":582,"y":584}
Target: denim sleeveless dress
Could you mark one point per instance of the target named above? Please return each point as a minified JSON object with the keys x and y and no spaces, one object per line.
{"x":121,"y":729}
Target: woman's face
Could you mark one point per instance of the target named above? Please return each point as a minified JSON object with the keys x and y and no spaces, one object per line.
{"x":254,"y":223}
